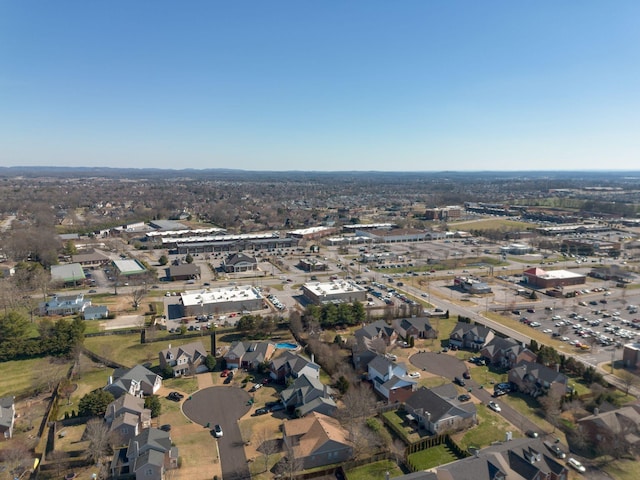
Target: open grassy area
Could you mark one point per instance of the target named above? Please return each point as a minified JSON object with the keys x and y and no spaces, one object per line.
{"x":623,"y":469}
{"x":432,"y":457}
{"x":374,"y":470}
{"x":20,"y":376}
{"x":491,"y":428}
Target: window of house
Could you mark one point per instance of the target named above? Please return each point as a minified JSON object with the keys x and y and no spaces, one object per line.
{"x":148,"y":472}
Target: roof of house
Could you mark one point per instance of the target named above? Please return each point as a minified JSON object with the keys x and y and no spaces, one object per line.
{"x":437,"y":406}
{"x":421,"y":324}
{"x":93,"y":256}
{"x":251,"y":352}
{"x":519,"y":459}
{"x":303,"y":390}
{"x":7,"y":411}
{"x":124,"y":377}
{"x":293,"y":362}
{"x":184,"y":269}
{"x":314,"y":431}
{"x":462,"y":329}
{"x":617,"y":421}
{"x":128,"y":403}
{"x":539,"y":372}
{"x":375,"y":329}
{"x":446,"y":391}
{"x":150,"y":439}
{"x":96,"y":309}
{"x":381,"y":364}
{"x":194,"y":350}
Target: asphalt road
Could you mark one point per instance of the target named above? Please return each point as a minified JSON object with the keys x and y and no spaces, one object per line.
{"x":223,"y":406}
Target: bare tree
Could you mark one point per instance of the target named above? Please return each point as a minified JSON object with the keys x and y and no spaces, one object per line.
{"x":551,"y":406}
{"x":358,"y":402}
{"x":267,"y":445}
{"x":16,"y":459}
{"x":97,"y":433}
{"x":289,"y":465}
{"x":137,"y":295}
{"x":628,"y":379}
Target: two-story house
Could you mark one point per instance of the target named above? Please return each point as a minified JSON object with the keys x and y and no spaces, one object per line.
{"x":416,"y":327}
{"x":618,"y":429}
{"x":149,"y":455}
{"x":437,"y":414}
{"x":390,"y":379}
{"x":291,"y":365}
{"x":470,"y":336}
{"x":249,"y":354}
{"x":137,"y":381}
{"x":506,"y":352}
{"x":7,"y":417}
{"x":308,"y":394}
{"x":127,"y":417}
{"x":185,"y":359}
{"x":378,"y":329}
{"x":535,"y":379}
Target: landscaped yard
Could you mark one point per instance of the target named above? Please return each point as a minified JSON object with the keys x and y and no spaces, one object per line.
{"x":432,"y":457}
{"x":19,"y":376}
{"x":398,"y":418}
{"x":491,"y":428}
{"x":377,"y":470}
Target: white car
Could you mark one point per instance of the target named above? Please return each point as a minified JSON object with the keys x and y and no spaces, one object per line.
{"x":547,"y":330}
{"x":414,"y":374}
{"x":576,"y":464}
{"x":494,"y":406}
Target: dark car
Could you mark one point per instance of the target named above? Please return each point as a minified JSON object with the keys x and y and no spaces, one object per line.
{"x":166,"y":427}
{"x":466,"y":375}
{"x":464,"y":397}
{"x":262,"y":411}
{"x":175,"y":396}
{"x":459,"y":381}
{"x":532,"y":433}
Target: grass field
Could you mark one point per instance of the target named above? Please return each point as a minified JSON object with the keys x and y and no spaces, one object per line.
{"x":432,"y":457}
{"x":491,"y":428}
{"x":20,"y":376}
{"x":375,"y":470}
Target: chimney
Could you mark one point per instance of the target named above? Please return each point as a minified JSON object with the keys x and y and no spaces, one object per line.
{"x":169,"y":347}
{"x":390,"y":371}
{"x":596,"y":411}
{"x":135,"y":449}
{"x":110,"y":381}
{"x":313,"y":358}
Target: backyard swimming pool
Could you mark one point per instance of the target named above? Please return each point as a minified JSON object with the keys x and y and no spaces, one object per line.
{"x":287,"y":345}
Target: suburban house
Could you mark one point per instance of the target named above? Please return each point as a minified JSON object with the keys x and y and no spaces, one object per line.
{"x":438,"y":415}
{"x":184,"y":360}
{"x":184,"y":271}
{"x":127,"y":417}
{"x":470,"y":336}
{"x":417,"y":327}
{"x":291,"y":365}
{"x":306,"y":395}
{"x":618,"y":428}
{"x":137,"y":381}
{"x":506,"y":352}
{"x":518,"y":459}
{"x":390,"y":380}
{"x":148,"y":456}
{"x":95,"y":312}
{"x":249,"y":354}
{"x":316,"y":440}
{"x":378,"y":329}
{"x":239,"y":262}
{"x":7,"y":417}
{"x":64,"y":305}
{"x":362,"y":352}
{"x":535,"y":379}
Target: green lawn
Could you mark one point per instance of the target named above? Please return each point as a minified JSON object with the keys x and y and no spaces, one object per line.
{"x":398,"y":418}
{"x":19,"y":376}
{"x":491,"y":428}
{"x":432,"y":457}
{"x":184,"y":384}
{"x":375,"y":470}
{"x":623,"y":469}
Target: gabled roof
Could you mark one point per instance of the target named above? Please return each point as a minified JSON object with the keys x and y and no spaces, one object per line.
{"x":375,"y":329}
{"x":539,"y":372}
{"x":7,"y":412}
{"x":251,"y":352}
{"x":239,"y":258}
{"x":616,"y":421}
{"x":315,"y":431}
{"x":126,"y":403}
{"x":194,"y":350}
{"x":123,"y":378}
{"x":293,"y":362}
{"x":303,"y":390}
{"x":421,"y":324}
{"x":381,"y":364}
{"x":150,"y":439}
{"x":436,"y":406}
{"x":462,"y":329}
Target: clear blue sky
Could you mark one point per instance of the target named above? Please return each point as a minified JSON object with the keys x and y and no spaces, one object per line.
{"x":321,"y":85}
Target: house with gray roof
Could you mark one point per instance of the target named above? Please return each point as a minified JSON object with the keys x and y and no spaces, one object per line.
{"x":535,"y":379}
{"x":291,"y":365}
{"x":439,"y":415}
{"x":506,"y":352}
{"x":362,"y":352}
{"x":249,"y":354}
{"x":95,"y":312}
{"x":390,"y":379}
{"x":307,"y":394}
{"x":416,"y":327}
{"x":148,"y":456}
{"x":470,"y":336}
{"x":185,"y":359}
{"x":619,"y":429}
{"x":127,"y":417}
{"x":7,"y":417}
{"x":183,"y":271}
{"x":137,"y":381}
{"x":64,"y":305}
{"x":378,"y":329}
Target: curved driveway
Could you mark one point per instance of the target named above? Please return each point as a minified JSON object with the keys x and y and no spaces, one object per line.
{"x":223,"y":406}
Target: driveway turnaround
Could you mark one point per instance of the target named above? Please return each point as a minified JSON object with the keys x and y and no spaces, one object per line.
{"x":222,"y":406}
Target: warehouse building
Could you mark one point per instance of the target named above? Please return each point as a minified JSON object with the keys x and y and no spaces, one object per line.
{"x":538,"y":277}
{"x":336,"y":291}
{"x":239,"y":298}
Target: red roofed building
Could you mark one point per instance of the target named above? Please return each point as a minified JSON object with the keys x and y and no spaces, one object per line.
{"x":538,"y":277}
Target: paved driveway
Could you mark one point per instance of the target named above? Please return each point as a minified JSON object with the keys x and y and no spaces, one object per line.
{"x":224,"y":406}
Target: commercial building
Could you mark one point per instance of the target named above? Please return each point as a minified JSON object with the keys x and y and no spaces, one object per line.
{"x":538,"y":277}
{"x":631,"y":355}
{"x":336,"y":291}
{"x":471,"y":285}
{"x":229,"y":243}
{"x":70,"y":274}
{"x":515,"y":249}
{"x":211,"y":301}
{"x":312,"y":233}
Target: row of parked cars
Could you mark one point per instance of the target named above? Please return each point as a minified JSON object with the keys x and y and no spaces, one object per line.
{"x":276,"y":303}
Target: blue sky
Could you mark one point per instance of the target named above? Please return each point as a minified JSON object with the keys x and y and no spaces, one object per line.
{"x":321,"y":85}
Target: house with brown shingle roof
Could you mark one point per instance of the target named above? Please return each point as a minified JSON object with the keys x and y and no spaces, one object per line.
{"x":317,"y":440}
{"x":185,"y":359}
{"x":620,"y":427}
{"x":506,"y":352}
{"x":535,"y":379}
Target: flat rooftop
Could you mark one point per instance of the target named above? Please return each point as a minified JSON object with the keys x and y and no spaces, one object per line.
{"x":238,"y":293}
{"x":333,"y":288}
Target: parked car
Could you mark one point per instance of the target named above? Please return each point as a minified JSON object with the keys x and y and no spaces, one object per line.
{"x":166,"y":427}
{"x":464,"y":398}
{"x":532,"y":433}
{"x":466,"y":375}
{"x":576,"y":464}
{"x":175,"y":396}
{"x":555,"y":449}
{"x":262,"y":411}
{"x":494,"y":406}
{"x":217,"y":431}
{"x":459,"y":381}
{"x":255,"y":387}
